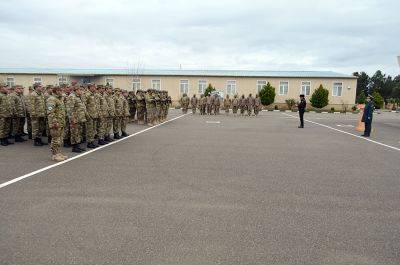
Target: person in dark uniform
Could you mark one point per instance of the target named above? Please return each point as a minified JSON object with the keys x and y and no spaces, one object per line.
{"x":367,"y":116}
{"x":302,"y":108}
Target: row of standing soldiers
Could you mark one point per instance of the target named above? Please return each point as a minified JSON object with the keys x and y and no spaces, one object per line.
{"x":73,"y":115}
{"x":211,"y":104}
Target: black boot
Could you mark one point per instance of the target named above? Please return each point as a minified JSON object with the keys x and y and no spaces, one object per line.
{"x":108,"y":139}
{"x":4,"y":142}
{"x":83,"y":149}
{"x":38,"y":142}
{"x":102,"y":142}
{"x":116,"y":136}
{"x":76,"y":149}
{"x":29,"y":136}
{"x":124,"y":134}
{"x":67,"y":144}
{"x":19,"y":139}
{"x":91,"y":145}
{"x":49,"y":139}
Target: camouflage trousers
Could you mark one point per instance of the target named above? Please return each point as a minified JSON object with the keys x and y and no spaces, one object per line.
{"x":38,"y":127}
{"x":202,"y":109}
{"x":209,"y":109}
{"x":242,"y":110}
{"x":109,"y":125}
{"x":141,"y":111}
{"x":17,"y":126}
{"x":57,"y":136}
{"x":150,"y":115}
{"x":91,"y":129}
{"x":29,"y":124}
{"x":256,"y":110}
{"x":117,"y":124}
{"x":124,"y":122}
{"x":158,"y":114}
{"x":67,"y":132}
{"x":184,"y":109}
{"x":5,"y":127}
{"x":226,"y":110}
{"x":132,"y":114}
{"x":234,"y":109}
{"x":76,"y":130}
{"x":194,"y":108}
{"x":216,"y":110}
{"x":249,"y":110}
{"x":102,"y":127}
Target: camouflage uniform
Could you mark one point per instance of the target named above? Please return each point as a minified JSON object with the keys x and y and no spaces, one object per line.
{"x":257,"y":105}
{"x":28,"y":115}
{"x":217,"y":104}
{"x":132,"y":106}
{"x":141,"y":107}
{"x":242,"y":105}
{"x":119,"y":113}
{"x":76,"y":112}
{"x":103,"y":119}
{"x":5,"y":117}
{"x":56,"y":117}
{"x":203,"y":104}
{"x":157,"y":100}
{"x":227,"y":104}
{"x":92,"y":108}
{"x":193,"y":102}
{"x":18,"y":119}
{"x":150,"y":107}
{"x":184,"y":101}
{"x":250,"y":104}
{"x":111,"y":113}
{"x":38,"y":116}
{"x":125,"y":117}
{"x":235,"y":104}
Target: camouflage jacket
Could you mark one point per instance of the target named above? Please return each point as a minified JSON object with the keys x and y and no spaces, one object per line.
{"x":235,"y":102}
{"x":5,"y":106}
{"x":150,"y":103}
{"x":37,"y":105}
{"x":193,"y":102}
{"x":126,"y":107}
{"x":227,"y":103}
{"x":76,"y":110}
{"x":17,"y":105}
{"x":91,"y":103}
{"x":185,"y":102}
{"x":104,"y":110}
{"x":140,"y":100}
{"x":111,"y":105}
{"x":55,"y":111}
{"x":119,"y":105}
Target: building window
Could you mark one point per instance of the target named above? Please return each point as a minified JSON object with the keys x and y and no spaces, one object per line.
{"x":261,"y":84}
{"x":10,"y":81}
{"x":62,"y":80}
{"x":136,"y":84}
{"x":156,"y":84}
{"x":37,"y":80}
{"x":231,"y":87}
{"x":110,"y":82}
{"x":184,"y":86}
{"x":283,"y":88}
{"x":202,"y":86}
{"x":305,"y":88}
{"x":337,"y":89}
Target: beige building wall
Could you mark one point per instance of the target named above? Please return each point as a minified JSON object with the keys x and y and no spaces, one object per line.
{"x":244,"y":85}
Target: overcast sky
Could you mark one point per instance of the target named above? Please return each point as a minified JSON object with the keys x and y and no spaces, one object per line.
{"x":338,"y":35}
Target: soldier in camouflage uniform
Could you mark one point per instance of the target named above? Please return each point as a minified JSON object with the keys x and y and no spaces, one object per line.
{"x":217,"y":104}
{"x":56,"y":116}
{"x":203,"y":104}
{"x":5,"y":115}
{"x":227,"y":104}
{"x":157,"y":98}
{"x":92,"y":119}
{"x":257,"y":104}
{"x":37,"y":106}
{"x":76,"y":112}
{"x":140,"y":107}
{"x":18,"y":119}
{"x":67,"y":132}
{"x":242,"y":105}
{"x":150,"y":107}
{"x":111,"y":113}
{"x":28,"y":115}
{"x":119,"y":113}
{"x":184,"y":101}
{"x":132,"y":106}
{"x":126,"y":114}
{"x":194,"y":102}
{"x":235,"y":105}
{"x":103,"y":117}
{"x":250,"y":104}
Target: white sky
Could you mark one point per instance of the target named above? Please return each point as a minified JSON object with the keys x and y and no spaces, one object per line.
{"x":337,"y":35}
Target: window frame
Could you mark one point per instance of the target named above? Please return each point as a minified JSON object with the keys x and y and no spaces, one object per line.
{"x":227,"y":85}
{"x":288,"y":86}
{"x":35,"y":82}
{"x":13,"y":82}
{"x":109,"y":78}
{"x":301,"y":88}
{"x":187,"y":86}
{"x":333,"y":89}
{"x":204,"y":88}
{"x":135,"y":82}
{"x":259,"y":89}
{"x":159,"y":83}
{"x":62,"y":83}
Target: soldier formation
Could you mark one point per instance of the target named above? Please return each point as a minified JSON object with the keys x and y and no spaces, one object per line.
{"x":75,"y":115}
{"x":211,"y":104}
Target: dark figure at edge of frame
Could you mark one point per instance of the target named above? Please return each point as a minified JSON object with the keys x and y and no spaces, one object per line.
{"x":302,"y":108}
{"x":367,"y":116}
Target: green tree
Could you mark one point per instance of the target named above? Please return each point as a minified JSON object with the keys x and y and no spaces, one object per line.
{"x":267,"y":94}
{"x":362,"y":81}
{"x":361,"y":98}
{"x":209,"y":89}
{"x":319,"y":98}
{"x":291,"y":102}
{"x":378,"y":100}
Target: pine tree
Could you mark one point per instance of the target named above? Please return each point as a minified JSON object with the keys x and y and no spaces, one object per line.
{"x":319,"y":98}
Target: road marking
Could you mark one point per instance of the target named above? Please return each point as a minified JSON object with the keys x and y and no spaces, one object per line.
{"x":213,"y":122}
{"x":344,"y":125}
{"x":5,"y":184}
{"x":352,"y":134}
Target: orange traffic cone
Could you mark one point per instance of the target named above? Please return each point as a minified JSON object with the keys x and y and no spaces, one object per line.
{"x":361,"y":125}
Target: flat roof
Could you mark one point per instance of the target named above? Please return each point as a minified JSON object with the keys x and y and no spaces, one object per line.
{"x":156,"y":72}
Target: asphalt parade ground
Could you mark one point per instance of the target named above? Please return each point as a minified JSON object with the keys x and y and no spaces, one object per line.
{"x":210,"y":190}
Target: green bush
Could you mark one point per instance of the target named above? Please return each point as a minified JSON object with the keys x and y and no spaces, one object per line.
{"x":332,"y":109}
{"x":378,"y":100}
{"x":319,"y":98}
{"x":267,"y":94}
{"x":361,"y":98}
{"x":291,"y":102}
{"x":354,"y":108}
{"x":209,"y":89}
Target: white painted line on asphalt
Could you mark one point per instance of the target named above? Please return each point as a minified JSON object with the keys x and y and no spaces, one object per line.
{"x":213,"y":122}
{"x":352,"y":134}
{"x":5,"y":184}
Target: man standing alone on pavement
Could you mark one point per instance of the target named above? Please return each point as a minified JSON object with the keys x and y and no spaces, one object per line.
{"x":302,"y":108}
{"x":367,"y":116}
